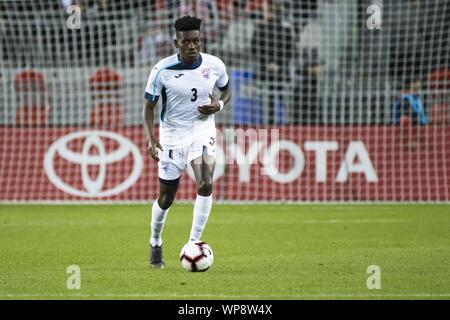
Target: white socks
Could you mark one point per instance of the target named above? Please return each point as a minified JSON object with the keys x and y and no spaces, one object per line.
{"x":202,"y":208}
{"x":158,"y":218}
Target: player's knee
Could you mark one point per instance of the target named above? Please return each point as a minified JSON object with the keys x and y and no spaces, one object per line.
{"x":165,"y":200}
{"x":204,"y":188}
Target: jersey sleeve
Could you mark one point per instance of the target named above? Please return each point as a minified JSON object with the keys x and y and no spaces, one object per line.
{"x":222,"y":81}
{"x":154,"y":85}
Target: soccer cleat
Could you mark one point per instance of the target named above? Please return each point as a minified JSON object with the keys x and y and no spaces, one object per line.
{"x":156,"y":258}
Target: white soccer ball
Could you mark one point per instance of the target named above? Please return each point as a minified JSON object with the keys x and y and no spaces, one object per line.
{"x":196,"y":256}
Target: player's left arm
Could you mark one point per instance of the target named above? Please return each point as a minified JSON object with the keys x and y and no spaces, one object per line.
{"x":225,"y":95}
{"x":215,"y":105}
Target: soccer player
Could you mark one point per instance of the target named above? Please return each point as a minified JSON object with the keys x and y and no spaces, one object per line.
{"x":185,"y":82}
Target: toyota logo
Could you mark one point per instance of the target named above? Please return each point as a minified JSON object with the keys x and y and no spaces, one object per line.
{"x":94,"y":187}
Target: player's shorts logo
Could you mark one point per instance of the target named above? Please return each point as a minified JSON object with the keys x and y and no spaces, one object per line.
{"x":105,"y":163}
{"x":165,"y":166}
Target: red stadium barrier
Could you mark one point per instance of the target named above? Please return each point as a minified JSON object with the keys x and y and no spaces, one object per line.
{"x":315,"y":164}
{"x":31,"y":98}
{"x":106,"y":88}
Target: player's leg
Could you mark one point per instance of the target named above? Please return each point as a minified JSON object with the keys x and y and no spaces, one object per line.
{"x":169,"y":175}
{"x":160,"y":209}
{"x":203,"y":168}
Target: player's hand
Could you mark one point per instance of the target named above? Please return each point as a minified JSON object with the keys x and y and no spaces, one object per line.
{"x":211,"y":108}
{"x":153,"y":146}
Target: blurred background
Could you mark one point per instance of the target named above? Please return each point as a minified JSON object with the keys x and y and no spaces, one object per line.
{"x":349,"y":76}
{"x":333,"y":67}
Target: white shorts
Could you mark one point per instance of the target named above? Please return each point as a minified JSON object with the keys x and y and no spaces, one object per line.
{"x":172,"y":162}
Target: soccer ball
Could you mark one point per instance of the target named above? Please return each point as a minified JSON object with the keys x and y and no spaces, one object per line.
{"x":196,"y":256}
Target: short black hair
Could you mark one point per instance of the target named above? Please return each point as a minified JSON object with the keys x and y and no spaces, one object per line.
{"x":188,"y":23}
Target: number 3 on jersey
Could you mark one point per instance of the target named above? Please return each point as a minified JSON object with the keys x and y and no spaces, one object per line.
{"x":194,"y":94}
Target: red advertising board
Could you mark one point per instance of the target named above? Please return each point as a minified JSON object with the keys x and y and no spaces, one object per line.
{"x":357,"y":163}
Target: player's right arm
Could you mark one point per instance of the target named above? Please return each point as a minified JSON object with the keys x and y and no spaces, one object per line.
{"x":148,"y":114}
{"x":152,"y":92}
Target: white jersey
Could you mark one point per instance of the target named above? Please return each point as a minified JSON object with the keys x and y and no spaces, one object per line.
{"x":183,"y":88}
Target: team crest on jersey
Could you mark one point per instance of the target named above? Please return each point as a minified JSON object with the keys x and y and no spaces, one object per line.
{"x":205,"y":73}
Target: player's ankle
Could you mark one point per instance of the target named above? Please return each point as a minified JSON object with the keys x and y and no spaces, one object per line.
{"x":156,"y":242}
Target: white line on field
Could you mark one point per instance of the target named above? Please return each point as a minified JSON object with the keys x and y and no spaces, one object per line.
{"x":355,"y":221}
{"x":56,"y":224}
{"x":98,"y":224}
{"x":150,"y":295}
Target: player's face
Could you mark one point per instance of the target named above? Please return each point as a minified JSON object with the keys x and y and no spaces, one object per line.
{"x":189,"y":43}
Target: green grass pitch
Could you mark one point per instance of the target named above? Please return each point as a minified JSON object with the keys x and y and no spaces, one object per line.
{"x":261,"y":252}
